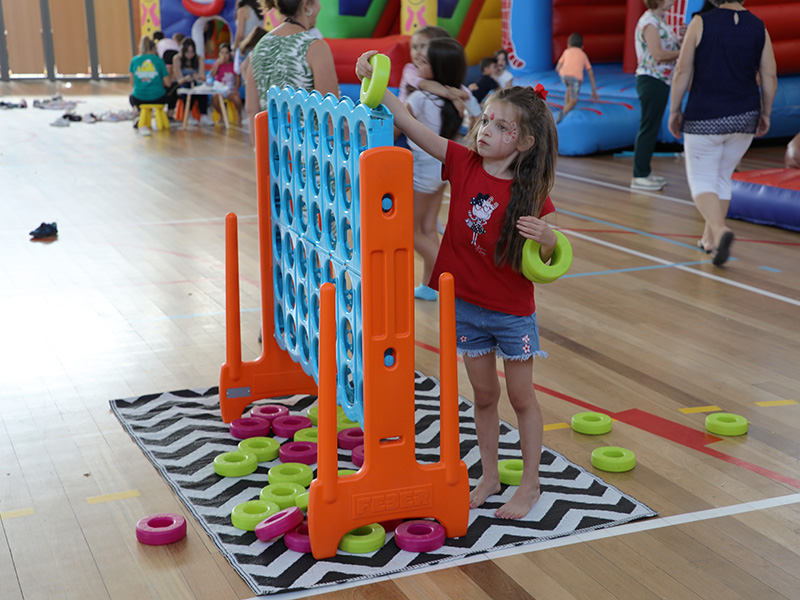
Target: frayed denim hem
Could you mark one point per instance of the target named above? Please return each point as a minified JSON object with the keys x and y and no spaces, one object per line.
{"x":522,"y":357}
{"x":496,"y":350}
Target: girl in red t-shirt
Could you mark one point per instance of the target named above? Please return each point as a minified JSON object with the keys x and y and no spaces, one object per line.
{"x":499,"y":190}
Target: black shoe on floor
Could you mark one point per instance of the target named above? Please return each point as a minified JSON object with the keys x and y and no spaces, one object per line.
{"x":45,"y":230}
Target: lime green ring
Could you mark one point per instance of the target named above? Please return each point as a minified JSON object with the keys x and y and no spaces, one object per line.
{"x":591,"y":423}
{"x":347,"y":472}
{"x":301,"y":501}
{"x":345,"y":423}
{"x":235,"y":464}
{"x":313,"y":414}
{"x":534,"y":268}
{"x":282,"y":494}
{"x":291,"y":473}
{"x":265,"y":448}
{"x":510,"y":471}
{"x":727,"y":424}
{"x":613,"y":459}
{"x":373,"y":88}
{"x":309,"y":434}
{"x":249,"y":514}
{"x":362,"y":540}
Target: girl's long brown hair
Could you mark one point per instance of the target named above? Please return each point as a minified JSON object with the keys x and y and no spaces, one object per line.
{"x":534,"y":169}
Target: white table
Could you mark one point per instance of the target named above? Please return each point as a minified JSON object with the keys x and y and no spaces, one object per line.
{"x":219,"y":90}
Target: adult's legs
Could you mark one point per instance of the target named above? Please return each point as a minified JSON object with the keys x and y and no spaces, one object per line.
{"x":482,"y":373}
{"x":653,"y":97}
{"x":519,"y":383}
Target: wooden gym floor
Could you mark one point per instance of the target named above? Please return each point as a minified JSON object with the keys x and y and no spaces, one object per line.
{"x":129,"y":301}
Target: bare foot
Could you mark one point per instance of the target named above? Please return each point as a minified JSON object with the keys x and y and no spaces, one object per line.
{"x":482,"y":491}
{"x":520,"y":504}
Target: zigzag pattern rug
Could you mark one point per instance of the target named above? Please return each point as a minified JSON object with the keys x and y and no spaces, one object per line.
{"x":181,"y":433}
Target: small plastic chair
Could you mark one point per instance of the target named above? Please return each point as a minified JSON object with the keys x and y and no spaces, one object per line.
{"x":233,"y":118}
{"x":146,"y":112}
{"x":180,"y":107}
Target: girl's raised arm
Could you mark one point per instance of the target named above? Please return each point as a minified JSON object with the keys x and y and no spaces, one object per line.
{"x":433,"y":144}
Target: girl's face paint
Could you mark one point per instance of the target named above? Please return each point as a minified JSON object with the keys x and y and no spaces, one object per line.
{"x":511,"y":135}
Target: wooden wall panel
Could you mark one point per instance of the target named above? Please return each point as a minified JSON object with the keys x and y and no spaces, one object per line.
{"x":70,"y":40}
{"x":113,"y":36}
{"x":23,"y":21}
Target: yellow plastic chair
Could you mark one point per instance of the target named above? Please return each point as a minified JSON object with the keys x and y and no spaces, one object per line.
{"x":146,"y":112}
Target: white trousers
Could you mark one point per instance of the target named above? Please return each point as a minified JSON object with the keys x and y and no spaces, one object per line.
{"x":711,"y":160}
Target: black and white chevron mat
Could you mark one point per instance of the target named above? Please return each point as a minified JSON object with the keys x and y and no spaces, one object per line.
{"x":181,"y":433}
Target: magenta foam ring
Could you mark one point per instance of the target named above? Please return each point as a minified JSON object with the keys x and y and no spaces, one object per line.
{"x":298,"y":452}
{"x":419,"y":536}
{"x":248,"y":427}
{"x":269,"y":412}
{"x":350,"y":438}
{"x":280,"y":523}
{"x":288,"y":425}
{"x":298,"y":539}
{"x":160,"y":529}
{"x":358,"y":456}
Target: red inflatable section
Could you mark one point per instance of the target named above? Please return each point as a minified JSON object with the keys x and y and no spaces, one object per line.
{"x":600,"y":22}
{"x":787,"y":179}
{"x":782,"y":19}
{"x":346,"y":52}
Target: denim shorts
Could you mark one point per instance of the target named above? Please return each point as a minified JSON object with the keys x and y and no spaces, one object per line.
{"x":573,"y":84}
{"x":480,"y":331}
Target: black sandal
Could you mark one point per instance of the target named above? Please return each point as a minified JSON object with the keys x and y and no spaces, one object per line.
{"x":702,"y":247}
{"x":723,"y":251}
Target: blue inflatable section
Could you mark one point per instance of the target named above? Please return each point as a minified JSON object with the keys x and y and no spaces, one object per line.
{"x":765,"y":205}
{"x":613,"y":121}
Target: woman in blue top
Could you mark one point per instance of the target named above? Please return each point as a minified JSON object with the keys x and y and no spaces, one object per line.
{"x":724,"y":52}
{"x":188,"y":70}
{"x":151,"y":81}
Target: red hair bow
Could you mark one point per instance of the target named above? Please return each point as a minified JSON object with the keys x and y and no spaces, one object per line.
{"x":540,"y":91}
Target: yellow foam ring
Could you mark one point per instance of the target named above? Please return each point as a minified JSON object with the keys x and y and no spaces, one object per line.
{"x":415,"y":14}
{"x":12,"y":514}
{"x":768,"y":403}
{"x":699,"y":409}
{"x":555,"y":426}
{"x":113,"y":497}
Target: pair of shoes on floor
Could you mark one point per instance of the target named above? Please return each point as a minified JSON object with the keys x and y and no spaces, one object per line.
{"x":144,"y":131}
{"x":206,"y":120}
{"x":651,"y":183}
{"x":723,"y":251}
{"x":62,"y":121}
{"x":45,"y":230}
{"x":423,"y":292}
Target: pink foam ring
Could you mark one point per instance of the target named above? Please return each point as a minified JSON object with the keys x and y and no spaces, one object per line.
{"x":160,"y":529}
{"x":248,"y":427}
{"x":390,"y":526}
{"x":281,"y":522}
{"x":350,"y":438}
{"x":298,"y":452}
{"x":419,"y":536}
{"x":298,"y":539}
{"x":288,"y":425}
{"x":269,"y":411}
{"x":358,"y":455}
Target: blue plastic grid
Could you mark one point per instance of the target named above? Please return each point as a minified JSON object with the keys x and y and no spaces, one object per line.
{"x":314,"y":146}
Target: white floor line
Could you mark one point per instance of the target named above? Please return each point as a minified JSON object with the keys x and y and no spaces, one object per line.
{"x":624,"y":188}
{"x":637,"y":527}
{"x":693,"y":271}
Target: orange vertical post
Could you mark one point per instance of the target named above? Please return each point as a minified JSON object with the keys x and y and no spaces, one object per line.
{"x":391,"y":484}
{"x":273,"y":373}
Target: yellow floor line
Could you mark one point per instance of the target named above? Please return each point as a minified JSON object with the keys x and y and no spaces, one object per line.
{"x":20,"y":512}
{"x":699,"y":409}
{"x":112,"y":497}
{"x":556,"y":426}
{"x":777,"y":403}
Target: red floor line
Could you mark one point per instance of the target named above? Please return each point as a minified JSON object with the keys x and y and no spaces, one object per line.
{"x":664,"y":428}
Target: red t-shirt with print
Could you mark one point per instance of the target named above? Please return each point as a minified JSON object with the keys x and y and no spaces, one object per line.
{"x":478,"y":203}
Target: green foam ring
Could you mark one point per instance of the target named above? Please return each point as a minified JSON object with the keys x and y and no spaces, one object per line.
{"x":536,"y":270}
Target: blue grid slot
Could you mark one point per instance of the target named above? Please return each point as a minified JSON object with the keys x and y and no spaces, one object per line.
{"x":315,"y":144}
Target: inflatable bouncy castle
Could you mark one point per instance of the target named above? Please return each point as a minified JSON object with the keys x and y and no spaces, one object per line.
{"x":535,"y":32}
